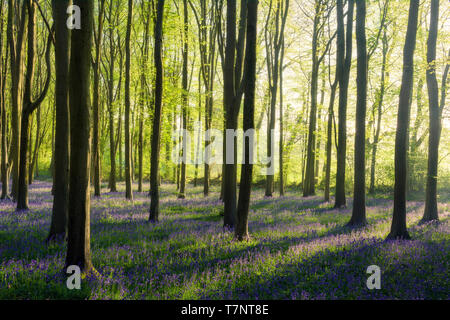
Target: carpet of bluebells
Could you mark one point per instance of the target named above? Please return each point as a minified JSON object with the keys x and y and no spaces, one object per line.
{"x":299,"y":249}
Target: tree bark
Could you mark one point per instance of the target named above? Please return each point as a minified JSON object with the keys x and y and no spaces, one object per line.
{"x":398,"y":228}
{"x":241,"y":231}
{"x":344,"y":61}
{"x":359,"y":192}
{"x":78,"y":244}
{"x":128,"y":190}
{"x":58,"y":226}
{"x":184,"y":99}
{"x":156,"y":130}
{"x":431,"y":209}
{"x":96,"y":101}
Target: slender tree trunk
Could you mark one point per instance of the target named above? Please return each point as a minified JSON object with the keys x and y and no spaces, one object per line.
{"x":96,"y":102}
{"x":329,"y":140}
{"x":344,"y":47}
{"x":431,"y":209}
{"x":398,"y":228}
{"x":241,"y":231}
{"x":281,"y":142}
{"x":359,"y":192}
{"x":78,"y":244}
{"x":184,"y":99}
{"x":156,"y":130}
{"x":128,"y":191}
{"x":379,"y":106}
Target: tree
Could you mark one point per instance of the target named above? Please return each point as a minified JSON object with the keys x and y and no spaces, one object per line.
{"x":344,"y":61}
{"x":398,"y":227}
{"x":208,"y":64}
{"x":241,"y":231}
{"x":436,"y":108}
{"x":128,"y":191}
{"x":3,"y":124}
{"x":29,"y":106}
{"x":58,"y":225}
{"x":98,"y":37}
{"x":184,"y":99}
{"x":320,"y":19}
{"x":15,"y":37}
{"x":78,"y":240}
{"x":232,"y":77}
{"x":359,"y":192}
{"x":156,"y":130}
{"x":273,"y":40}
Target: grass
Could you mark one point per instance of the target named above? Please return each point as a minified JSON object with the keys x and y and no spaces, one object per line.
{"x":299,"y":249}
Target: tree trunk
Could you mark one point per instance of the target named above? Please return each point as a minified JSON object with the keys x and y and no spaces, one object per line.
{"x":78,"y":244}
{"x":184,"y":99}
{"x":128,"y":191}
{"x":359,"y":192}
{"x":156,"y":130}
{"x":431,"y":209}
{"x":58,"y":227}
{"x":96,"y":102}
{"x":241,"y":232}
{"x":398,"y":228}
{"x":16,"y":32}
{"x":344,"y":64}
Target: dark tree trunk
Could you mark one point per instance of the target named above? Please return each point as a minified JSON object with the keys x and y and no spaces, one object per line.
{"x":232,"y":102}
{"x":398,"y":228}
{"x":241,"y":232}
{"x":359,"y":192}
{"x":156,"y":130}
{"x":3,"y":124}
{"x":78,"y":244}
{"x":128,"y":190}
{"x":184,"y":99}
{"x":96,"y":102}
{"x":329,"y":140}
{"x":431,"y":209}
{"x":344,"y":64}
{"x":58,"y":227}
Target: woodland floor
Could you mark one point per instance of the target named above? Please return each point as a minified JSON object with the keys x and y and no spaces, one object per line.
{"x":299,"y":250}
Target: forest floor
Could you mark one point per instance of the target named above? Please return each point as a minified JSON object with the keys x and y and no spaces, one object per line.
{"x":299,"y":249}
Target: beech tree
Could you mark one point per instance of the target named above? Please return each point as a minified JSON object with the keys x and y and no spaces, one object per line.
{"x":156,"y":130}
{"x":436,"y":108}
{"x":344,"y":60}
{"x":359,"y":191}
{"x":398,"y":227}
{"x":58,"y":227}
{"x":241,"y":231}
{"x":78,"y":237}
